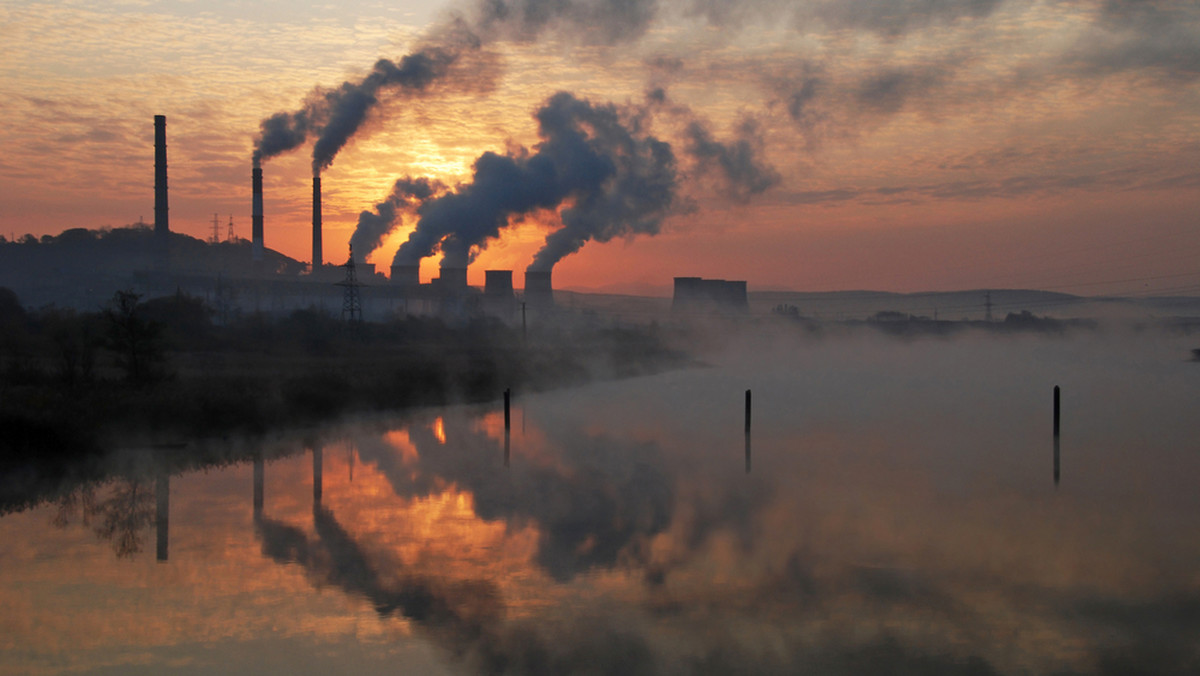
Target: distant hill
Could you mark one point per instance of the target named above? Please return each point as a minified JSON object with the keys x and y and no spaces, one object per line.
{"x":82,"y":268}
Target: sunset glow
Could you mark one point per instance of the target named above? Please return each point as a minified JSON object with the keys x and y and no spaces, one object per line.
{"x":818,"y":145}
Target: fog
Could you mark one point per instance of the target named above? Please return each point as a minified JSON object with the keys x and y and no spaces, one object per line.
{"x":901,"y":514}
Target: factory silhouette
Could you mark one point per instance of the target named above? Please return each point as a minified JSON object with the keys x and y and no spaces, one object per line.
{"x":82,"y":268}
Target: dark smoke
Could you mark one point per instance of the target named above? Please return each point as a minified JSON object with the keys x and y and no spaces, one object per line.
{"x":349,"y":104}
{"x":335,"y":115}
{"x":617,"y":180}
{"x":740,"y":162}
{"x":282,"y":132}
{"x":634,"y":200}
{"x":373,"y":226}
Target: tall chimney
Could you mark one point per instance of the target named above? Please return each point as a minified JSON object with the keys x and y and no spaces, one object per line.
{"x":256,"y":214}
{"x":161,"y":229}
{"x":316,"y":254}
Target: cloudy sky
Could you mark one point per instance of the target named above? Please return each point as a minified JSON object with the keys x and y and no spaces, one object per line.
{"x":898,"y":145}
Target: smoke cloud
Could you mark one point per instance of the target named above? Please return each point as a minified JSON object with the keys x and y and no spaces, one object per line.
{"x":373,"y":226}
{"x":335,"y":116}
{"x":617,"y":179}
{"x":739,"y":162}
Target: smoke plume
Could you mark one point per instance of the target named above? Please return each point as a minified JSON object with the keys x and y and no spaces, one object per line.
{"x":740,"y":162}
{"x":373,"y":226}
{"x":335,"y":115}
{"x":617,"y":180}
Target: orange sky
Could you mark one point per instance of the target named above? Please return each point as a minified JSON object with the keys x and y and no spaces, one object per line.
{"x":984,"y":143}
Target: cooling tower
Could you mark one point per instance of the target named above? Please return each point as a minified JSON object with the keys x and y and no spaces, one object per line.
{"x":452,"y":279}
{"x":709,"y":295}
{"x":406,"y":275}
{"x":498,"y":283}
{"x":538,"y":290}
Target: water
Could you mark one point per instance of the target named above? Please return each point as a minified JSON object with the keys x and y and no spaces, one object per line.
{"x":900,"y":515}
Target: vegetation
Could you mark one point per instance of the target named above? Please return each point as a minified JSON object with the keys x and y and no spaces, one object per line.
{"x":160,"y":370}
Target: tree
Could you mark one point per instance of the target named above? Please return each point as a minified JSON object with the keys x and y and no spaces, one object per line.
{"x":136,"y":340}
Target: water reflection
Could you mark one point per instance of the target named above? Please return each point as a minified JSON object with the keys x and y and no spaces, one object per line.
{"x":162,"y":512}
{"x":873,"y":543}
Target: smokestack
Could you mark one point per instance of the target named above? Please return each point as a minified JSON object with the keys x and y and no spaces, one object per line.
{"x":498,"y":283}
{"x":538,"y":290}
{"x":406,"y":275}
{"x":161,"y":229}
{"x":256,"y":213}
{"x":316,"y":256}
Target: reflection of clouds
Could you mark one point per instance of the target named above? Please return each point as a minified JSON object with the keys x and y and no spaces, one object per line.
{"x":601,"y":502}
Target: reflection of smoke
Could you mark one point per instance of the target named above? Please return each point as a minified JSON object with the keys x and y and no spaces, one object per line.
{"x":617,"y":179}
{"x":461,"y":610}
{"x":373,"y":226}
{"x":604,"y":504}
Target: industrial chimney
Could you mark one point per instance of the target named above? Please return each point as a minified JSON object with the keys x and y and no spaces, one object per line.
{"x":161,"y":229}
{"x":537,"y":287}
{"x":256,"y":213}
{"x":316,"y":233}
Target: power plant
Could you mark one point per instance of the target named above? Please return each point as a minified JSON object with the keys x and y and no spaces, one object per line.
{"x":243,"y":276}
{"x":693,"y":294}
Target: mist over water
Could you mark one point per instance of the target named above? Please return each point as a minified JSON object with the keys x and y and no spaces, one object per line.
{"x":900,"y":515}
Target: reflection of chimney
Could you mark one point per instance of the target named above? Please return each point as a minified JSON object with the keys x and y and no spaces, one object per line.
{"x":498,"y":283}
{"x":161,"y":229}
{"x":537,"y":287}
{"x":406,"y":275}
{"x":256,"y":214}
{"x":162,"y":511}
{"x":316,"y":254}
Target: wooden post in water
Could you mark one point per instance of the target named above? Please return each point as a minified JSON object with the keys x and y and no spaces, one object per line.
{"x":747,"y":411}
{"x":506,"y":447}
{"x":747,"y":452}
{"x":507,"y":409}
{"x":1056,"y":410}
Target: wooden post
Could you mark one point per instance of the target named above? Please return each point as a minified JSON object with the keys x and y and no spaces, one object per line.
{"x":1056,"y":410}
{"x":747,"y":411}
{"x":507,"y":409}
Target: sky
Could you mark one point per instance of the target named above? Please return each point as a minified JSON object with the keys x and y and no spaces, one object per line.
{"x":896,"y":145}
